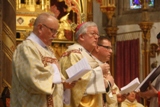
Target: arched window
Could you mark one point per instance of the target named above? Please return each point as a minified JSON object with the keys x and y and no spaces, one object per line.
{"x":136,"y":4}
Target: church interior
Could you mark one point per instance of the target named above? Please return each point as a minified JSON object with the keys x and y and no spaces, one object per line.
{"x":132,"y":26}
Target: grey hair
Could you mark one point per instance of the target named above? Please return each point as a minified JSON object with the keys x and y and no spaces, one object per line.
{"x":42,"y":18}
{"x":83,"y":29}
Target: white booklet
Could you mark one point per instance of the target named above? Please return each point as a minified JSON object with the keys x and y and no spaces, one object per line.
{"x":135,"y":85}
{"x":130,"y":87}
{"x":78,"y":70}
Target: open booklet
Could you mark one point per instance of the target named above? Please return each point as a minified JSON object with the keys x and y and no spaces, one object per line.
{"x":130,"y":87}
{"x":135,"y":85}
{"x":78,"y":70}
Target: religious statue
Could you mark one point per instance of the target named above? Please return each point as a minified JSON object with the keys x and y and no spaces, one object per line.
{"x":65,"y":31}
{"x":62,"y":12}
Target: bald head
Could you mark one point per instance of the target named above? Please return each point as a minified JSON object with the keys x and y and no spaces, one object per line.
{"x":41,"y":18}
{"x":45,"y":27}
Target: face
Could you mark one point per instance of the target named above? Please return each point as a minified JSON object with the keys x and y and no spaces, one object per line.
{"x":105,"y":50}
{"x":90,"y":38}
{"x":49,"y":30}
{"x":131,"y":97}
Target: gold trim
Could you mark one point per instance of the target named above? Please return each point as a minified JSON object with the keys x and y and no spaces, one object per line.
{"x":54,"y":41}
{"x":4,"y":81}
{"x":27,"y":13}
{"x":8,"y":32}
{"x":7,"y":41}
{"x":119,"y":34}
{"x":8,"y":52}
{"x":153,"y":50}
{"x":13,"y":4}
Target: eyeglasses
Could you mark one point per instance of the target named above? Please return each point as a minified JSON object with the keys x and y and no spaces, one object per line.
{"x":107,"y":47}
{"x":94,"y":34}
{"x":54,"y":31}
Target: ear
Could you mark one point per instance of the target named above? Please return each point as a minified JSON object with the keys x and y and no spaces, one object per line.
{"x":81,"y":37}
{"x":39,"y":28}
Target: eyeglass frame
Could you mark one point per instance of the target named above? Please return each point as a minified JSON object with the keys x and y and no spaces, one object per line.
{"x":93,"y":34}
{"x":107,"y":47}
{"x":54,"y":31}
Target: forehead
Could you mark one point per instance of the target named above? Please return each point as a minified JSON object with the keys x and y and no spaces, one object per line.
{"x":106,"y":42}
{"x":92,"y":28}
{"x":52,"y":22}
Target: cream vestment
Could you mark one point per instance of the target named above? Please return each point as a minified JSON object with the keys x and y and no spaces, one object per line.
{"x":33,"y":75}
{"x":88,"y":91}
{"x":127,"y":103}
{"x":111,"y":99}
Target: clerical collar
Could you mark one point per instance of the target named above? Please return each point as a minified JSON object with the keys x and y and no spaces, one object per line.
{"x":34,"y":38}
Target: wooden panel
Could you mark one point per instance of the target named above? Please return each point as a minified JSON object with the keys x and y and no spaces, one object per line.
{"x":0,"y":45}
{"x":8,"y":39}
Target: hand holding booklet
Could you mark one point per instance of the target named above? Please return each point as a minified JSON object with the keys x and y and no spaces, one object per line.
{"x":130,"y":87}
{"x":135,"y":85}
{"x":150,"y":78}
{"x":78,"y":70}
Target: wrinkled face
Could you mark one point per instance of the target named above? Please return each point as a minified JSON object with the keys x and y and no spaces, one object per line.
{"x":91,"y":37}
{"x":48,"y":30}
{"x":105,"y":50}
{"x":131,"y":97}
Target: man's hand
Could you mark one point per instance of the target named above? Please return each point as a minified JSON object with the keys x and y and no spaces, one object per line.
{"x":151,"y":92}
{"x":105,"y":68}
{"x":110,"y":79}
{"x":69,"y":85}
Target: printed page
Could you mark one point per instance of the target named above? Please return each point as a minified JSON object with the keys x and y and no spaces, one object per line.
{"x":78,"y":70}
{"x":130,"y":87}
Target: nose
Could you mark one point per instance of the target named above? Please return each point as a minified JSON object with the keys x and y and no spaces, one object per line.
{"x":96,"y":37}
{"x":54,"y":35}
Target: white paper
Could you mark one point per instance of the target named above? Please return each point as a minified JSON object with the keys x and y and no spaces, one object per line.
{"x":78,"y":70}
{"x":130,"y":87}
{"x":56,"y":74}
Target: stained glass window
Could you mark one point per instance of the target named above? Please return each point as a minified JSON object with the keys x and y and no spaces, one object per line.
{"x":136,"y":4}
